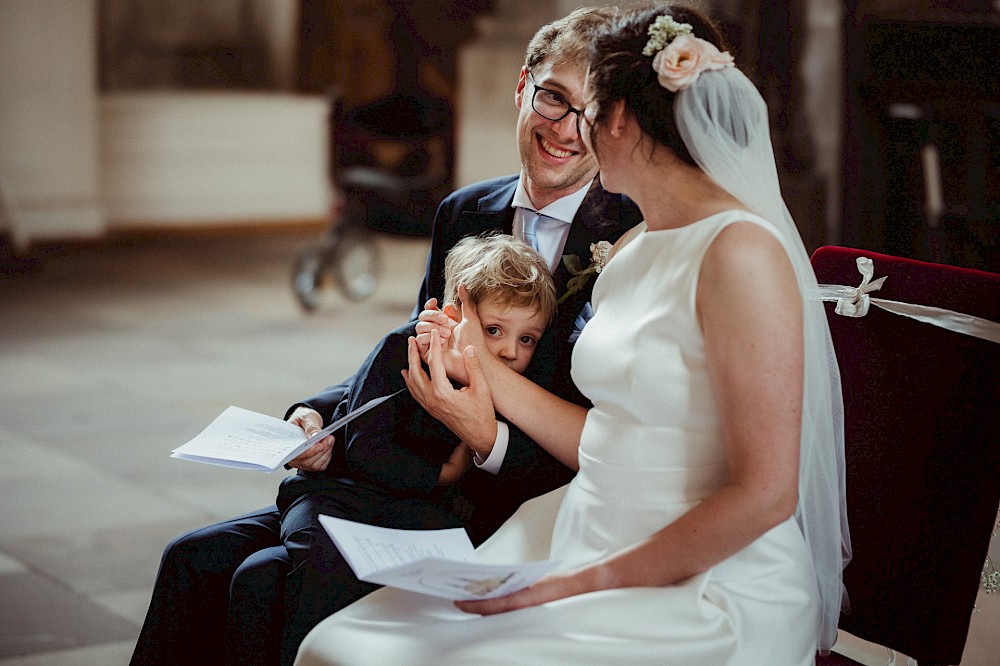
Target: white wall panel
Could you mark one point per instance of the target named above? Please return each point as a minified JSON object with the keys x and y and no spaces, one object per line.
{"x":203,"y":157}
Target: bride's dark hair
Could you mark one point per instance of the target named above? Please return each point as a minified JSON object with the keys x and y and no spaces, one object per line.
{"x":619,"y":70}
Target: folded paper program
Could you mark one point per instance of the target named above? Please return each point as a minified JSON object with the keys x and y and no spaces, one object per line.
{"x":855,"y":301}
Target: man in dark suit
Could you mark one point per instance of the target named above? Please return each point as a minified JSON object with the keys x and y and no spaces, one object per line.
{"x":220,"y":589}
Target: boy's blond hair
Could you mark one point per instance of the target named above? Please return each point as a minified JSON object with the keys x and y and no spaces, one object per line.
{"x":501,"y":268}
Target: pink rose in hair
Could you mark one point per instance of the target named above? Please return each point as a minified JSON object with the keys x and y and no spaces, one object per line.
{"x":685,"y":58}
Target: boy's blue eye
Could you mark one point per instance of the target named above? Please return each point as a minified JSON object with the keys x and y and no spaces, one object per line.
{"x":527,"y":340}
{"x":493,"y":330}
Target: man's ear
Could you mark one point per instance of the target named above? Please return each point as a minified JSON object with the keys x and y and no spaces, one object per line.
{"x":522,"y":80}
{"x":452,"y":311}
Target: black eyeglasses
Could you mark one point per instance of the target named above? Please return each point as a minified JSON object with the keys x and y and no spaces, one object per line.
{"x":552,"y":105}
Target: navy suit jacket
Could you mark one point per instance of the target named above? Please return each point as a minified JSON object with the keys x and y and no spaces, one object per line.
{"x":481,"y":499}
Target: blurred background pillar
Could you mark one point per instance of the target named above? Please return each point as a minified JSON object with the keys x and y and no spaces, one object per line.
{"x":49,"y":154}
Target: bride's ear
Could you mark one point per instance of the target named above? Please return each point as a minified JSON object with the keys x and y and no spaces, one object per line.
{"x":452,"y":311}
{"x":617,"y":118}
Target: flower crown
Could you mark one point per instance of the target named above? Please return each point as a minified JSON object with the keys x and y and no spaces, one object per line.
{"x":680,"y":56}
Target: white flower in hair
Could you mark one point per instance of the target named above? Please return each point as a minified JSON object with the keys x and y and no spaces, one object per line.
{"x":680,"y":56}
{"x":663,"y":31}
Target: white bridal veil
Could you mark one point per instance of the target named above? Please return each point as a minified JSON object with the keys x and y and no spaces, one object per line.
{"x":724,"y":123}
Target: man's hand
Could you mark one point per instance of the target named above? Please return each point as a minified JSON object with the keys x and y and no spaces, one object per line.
{"x":467,"y":411}
{"x":316,"y":457}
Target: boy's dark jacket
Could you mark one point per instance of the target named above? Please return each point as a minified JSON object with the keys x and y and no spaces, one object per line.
{"x":397,"y":447}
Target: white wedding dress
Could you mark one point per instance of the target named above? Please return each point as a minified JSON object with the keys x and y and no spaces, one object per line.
{"x":651,"y":449}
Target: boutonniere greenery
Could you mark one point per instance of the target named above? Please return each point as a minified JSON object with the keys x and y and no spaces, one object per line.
{"x":600,"y":252}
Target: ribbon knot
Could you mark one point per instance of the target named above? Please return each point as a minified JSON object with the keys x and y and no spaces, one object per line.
{"x":855,"y":302}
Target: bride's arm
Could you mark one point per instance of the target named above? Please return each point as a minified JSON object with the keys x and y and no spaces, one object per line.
{"x":750,"y":313}
{"x":555,"y":424}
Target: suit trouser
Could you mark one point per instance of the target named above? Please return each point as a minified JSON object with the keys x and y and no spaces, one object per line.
{"x":247,"y":590}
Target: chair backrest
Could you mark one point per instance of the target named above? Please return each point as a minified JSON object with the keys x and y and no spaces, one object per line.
{"x":922,"y":427}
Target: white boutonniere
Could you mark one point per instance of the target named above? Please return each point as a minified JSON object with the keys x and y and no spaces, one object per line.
{"x":600,"y":252}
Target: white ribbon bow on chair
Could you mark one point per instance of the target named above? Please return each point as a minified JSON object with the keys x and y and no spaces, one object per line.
{"x":855,"y":301}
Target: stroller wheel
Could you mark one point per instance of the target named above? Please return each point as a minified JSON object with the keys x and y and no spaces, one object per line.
{"x":357,"y":265}
{"x":310,"y":277}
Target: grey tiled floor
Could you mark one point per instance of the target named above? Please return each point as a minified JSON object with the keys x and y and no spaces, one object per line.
{"x":111,"y":355}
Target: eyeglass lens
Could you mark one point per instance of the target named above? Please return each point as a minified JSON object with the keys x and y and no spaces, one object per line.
{"x":549,"y":104}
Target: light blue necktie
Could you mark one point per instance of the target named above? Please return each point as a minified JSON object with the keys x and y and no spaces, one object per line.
{"x":529,"y":220}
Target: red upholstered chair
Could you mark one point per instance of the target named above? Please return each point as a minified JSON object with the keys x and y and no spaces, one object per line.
{"x":922,"y":415}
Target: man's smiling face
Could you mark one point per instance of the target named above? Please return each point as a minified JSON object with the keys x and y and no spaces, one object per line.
{"x":553,"y":156}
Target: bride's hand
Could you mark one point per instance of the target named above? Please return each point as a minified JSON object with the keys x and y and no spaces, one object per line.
{"x":550,"y":588}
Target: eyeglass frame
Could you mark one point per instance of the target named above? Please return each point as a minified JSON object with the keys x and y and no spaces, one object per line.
{"x":569,"y":107}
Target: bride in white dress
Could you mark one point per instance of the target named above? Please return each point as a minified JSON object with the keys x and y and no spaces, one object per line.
{"x":706,"y":524}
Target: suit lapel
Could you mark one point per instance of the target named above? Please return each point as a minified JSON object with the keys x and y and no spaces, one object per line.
{"x":597,"y":219}
{"x":493,"y":212}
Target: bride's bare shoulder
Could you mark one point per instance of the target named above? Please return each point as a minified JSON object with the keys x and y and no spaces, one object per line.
{"x":747,"y":253}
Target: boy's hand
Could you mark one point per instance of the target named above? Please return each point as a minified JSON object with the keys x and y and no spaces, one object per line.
{"x":434,"y":319}
{"x":318,"y":456}
{"x":456,"y":466}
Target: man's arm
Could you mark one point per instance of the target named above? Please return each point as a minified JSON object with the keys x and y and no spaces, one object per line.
{"x":396,"y":445}
{"x":325,"y":402}
{"x":548,"y":419}
{"x":522,"y":467}
{"x":432,"y":286}
{"x":311,"y":415}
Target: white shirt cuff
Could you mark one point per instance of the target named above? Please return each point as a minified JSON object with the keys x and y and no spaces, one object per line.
{"x":494,"y":461}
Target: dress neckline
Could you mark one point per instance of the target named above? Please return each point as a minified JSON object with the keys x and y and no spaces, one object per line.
{"x":741,"y":211}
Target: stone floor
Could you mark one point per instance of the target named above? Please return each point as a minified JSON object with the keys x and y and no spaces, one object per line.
{"x":114,"y":353}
